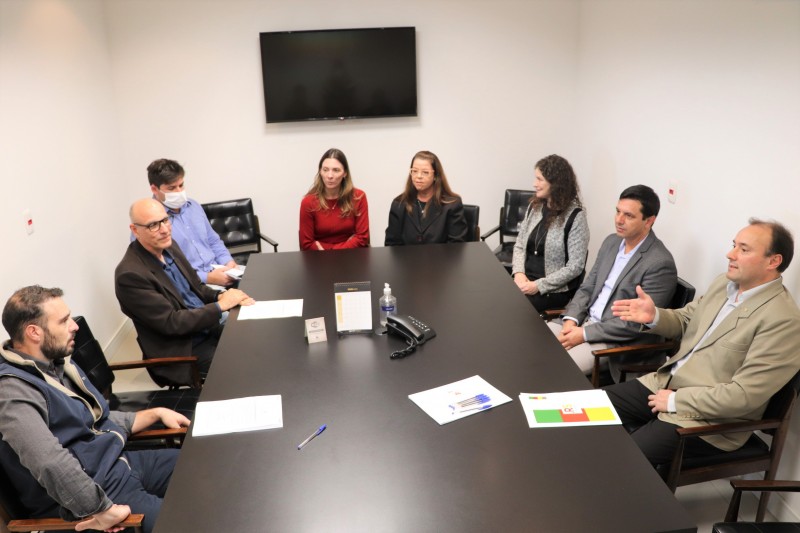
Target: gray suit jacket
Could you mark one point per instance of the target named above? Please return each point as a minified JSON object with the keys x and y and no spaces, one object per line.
{"x":164,"y":324}
{"x":652,"y":267}
{"x":734,"y":373}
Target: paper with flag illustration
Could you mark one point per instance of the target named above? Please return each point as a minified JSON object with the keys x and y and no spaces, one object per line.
{"x":565,"y":409}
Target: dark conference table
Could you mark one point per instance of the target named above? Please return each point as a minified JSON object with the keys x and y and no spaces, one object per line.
{"x":383,"y":464}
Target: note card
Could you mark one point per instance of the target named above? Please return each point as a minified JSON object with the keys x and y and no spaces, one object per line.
{"x":315,"y":330}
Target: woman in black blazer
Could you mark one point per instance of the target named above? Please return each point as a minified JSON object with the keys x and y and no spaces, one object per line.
{"x":428,"y":211}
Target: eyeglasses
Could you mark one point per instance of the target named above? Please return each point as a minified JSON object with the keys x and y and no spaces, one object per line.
{"x":155,"y":226}
{"x":424,"y":173}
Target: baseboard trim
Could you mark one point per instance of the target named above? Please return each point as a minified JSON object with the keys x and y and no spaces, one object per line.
{"x":781,"y":509}
{"x":113,"y":348}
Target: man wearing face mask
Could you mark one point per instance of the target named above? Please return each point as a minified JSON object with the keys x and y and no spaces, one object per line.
{"x":190,"y":227}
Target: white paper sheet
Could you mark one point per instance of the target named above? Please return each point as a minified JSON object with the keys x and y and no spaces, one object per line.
{"x":563,"y":409}
{"x":454,"y":401}
{"x":240,"y":414}
{"x":271,"y":309}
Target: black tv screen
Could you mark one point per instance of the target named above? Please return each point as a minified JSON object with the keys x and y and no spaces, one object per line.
{"x":338,"y":74}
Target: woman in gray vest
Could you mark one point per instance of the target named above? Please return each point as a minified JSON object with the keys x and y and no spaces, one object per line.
{"x":550,"y":252}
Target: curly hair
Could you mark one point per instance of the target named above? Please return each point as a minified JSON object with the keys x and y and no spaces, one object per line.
{"x":442,"y":193}
{"x":564,"y":188}
{"x":346,"y":189}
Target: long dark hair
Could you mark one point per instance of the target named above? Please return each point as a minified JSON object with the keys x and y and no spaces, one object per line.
{"x":442,"y":193}
{"x":563,"y":187}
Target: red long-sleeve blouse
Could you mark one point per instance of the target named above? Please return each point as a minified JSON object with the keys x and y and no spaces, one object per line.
{"x":329,"y":228}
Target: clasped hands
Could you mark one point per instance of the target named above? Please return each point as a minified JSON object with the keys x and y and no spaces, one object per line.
{"x":525,"y":285}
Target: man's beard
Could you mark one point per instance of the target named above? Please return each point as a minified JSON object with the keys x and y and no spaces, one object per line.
{"x":53,"y":351}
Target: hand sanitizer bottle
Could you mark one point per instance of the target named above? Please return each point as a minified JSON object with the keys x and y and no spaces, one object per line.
{"x":388,"y":304}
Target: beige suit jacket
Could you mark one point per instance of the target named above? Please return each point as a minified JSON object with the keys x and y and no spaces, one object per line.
{"x":734,"y":373}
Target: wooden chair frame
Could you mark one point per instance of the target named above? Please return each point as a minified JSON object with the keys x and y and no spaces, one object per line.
{"x":775,"y":423}
{"x":762,"y":486}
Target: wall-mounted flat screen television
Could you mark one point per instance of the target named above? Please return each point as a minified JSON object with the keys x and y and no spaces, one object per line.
{"x":338,"y":74}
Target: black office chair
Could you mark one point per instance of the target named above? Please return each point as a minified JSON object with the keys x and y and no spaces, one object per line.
{"x":90,"y":357}
{"x":757,"y":454}
{"x":472,"y":214}
{"x":732,"y":524}
{"x":684,"y":293}
{"x":237,"y":226}
{"x":512,"y":214}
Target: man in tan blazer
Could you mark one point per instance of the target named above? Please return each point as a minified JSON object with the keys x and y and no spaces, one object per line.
{"x":740,"y":343}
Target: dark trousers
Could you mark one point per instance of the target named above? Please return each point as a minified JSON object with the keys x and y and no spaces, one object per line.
{"x":655,"y":438}
{"x":144,"y":489}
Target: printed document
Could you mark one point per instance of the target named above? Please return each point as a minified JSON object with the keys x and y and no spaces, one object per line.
{"x":240,"y":414}
{"x":271,"y":309}
{"x":563,"y":409}
{"x":458,"y":400}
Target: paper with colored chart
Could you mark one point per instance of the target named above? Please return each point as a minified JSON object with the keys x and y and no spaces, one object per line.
{"x":566,"y":409}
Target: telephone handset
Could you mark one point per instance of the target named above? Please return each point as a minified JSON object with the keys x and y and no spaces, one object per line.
{"x":414,"y":331}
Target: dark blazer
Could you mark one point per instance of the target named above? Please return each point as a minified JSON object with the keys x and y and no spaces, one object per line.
{"x":651,"y":266}
{"x":164,"y":324}
{"x":445,"y":223}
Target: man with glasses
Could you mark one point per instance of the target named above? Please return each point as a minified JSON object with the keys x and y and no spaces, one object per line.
{"x":190,"y":227}
{"x":174,"y":313}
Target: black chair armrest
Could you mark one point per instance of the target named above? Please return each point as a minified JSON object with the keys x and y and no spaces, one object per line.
{"x":634,"y":349}
{"x":145,"y":363}
{"x":714,"y":429}
{"x":56,"y":524}
{"x":490,"y":233}
{"x":550,"y":314}
{"x":171,"y":438}
{"x":757,"y":485}
{"x":163,"y":361}
{"x":733,"y":427}
{"x":269,"y":241}
{"x":763,"y":485}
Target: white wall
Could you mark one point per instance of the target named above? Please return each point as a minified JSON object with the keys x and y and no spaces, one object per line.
{"x":59,"y":156}
{"x":188,"y":77}
{"x":704,"y":93}
{"x":631,"y":91}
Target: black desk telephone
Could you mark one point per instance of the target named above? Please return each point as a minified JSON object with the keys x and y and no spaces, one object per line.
{"x":412,"y":330}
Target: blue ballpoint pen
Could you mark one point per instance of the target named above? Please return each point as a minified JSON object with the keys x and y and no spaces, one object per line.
{"x":317,"y":432}
{"x":480,"y":408}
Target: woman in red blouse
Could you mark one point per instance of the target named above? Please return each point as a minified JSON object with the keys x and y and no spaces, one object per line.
{"x":333,"y":214}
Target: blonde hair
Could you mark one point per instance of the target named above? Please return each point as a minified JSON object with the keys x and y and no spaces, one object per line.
{"x":346,"y":189}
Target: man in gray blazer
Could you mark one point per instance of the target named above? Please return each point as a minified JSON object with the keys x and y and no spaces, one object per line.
{"x":738,"y":348}
{"x":631,"y":256}
{"x":156,"y":286}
